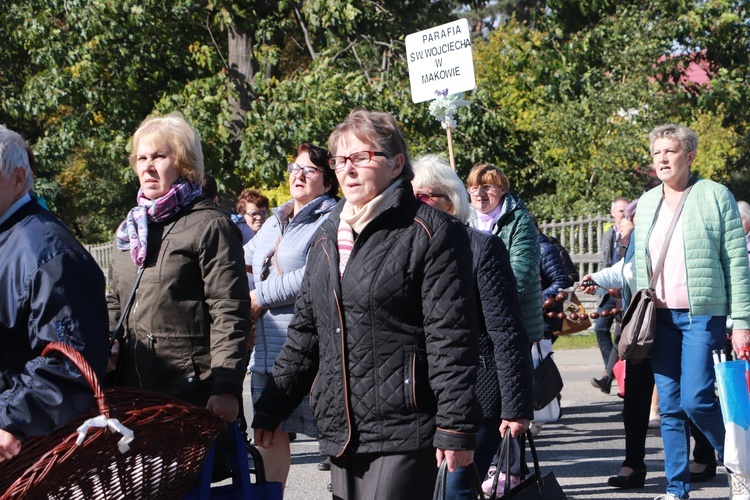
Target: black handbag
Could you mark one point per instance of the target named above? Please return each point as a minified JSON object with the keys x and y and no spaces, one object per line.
{"x":533,"y":487}
{"x":548,"y":382}
{"x":639,"y":321}
{"x":476,"y":482}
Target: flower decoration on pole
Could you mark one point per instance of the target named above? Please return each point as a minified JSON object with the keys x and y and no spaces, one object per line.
{"x":444,"y":108}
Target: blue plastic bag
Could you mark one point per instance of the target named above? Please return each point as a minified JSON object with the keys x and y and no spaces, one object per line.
{"x":734,"y":397}
{"x":241,"y":488}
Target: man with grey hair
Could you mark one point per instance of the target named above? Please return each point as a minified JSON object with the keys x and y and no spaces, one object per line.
{"x":51,"y":290}
{"x":614,"y":245}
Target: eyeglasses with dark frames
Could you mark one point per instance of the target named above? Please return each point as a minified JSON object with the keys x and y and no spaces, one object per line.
{"x":307,"y":170}
{"x":358,"y":159}
{"x":260,"y":213}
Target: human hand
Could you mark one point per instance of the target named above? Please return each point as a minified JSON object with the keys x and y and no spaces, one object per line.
{"x":255,"y":309}
{"x":114,"y":353}
{"x":225,"y":405}
{"x":9,"y":446}
{"x":586,"y":287}
{"x":263,"y":438}
{"x":741,"y":343}
{"x":626,"y":227}
{"x":517,"y":426}
{"x":454,"y":458}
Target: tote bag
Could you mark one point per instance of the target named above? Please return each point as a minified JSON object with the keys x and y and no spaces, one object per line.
{"x":533,"y":487}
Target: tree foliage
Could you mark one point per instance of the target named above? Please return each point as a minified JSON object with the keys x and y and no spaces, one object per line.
{"x":566,"y":90}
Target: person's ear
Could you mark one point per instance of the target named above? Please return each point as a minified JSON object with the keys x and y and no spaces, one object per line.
{"x":398,"y":164}
{"x":19,"y":181}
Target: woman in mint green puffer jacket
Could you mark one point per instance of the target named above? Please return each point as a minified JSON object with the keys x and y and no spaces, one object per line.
{"x":705,"y":277}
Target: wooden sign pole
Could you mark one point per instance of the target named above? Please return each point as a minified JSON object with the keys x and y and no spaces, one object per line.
{"x":450,"y":147}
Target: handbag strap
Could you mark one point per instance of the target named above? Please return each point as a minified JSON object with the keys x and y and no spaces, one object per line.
{"x":670,"y":231}
{"x":126,"y":308}
{"x":505,"y":459}
{"x":440,"y":491}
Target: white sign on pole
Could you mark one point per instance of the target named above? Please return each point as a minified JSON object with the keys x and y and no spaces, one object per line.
{"x":440,"y":60}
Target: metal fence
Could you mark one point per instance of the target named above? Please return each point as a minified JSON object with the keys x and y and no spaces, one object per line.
{"x":101,"y":254}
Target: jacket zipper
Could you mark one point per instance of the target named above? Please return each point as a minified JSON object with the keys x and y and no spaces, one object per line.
{"x":343,"y":359}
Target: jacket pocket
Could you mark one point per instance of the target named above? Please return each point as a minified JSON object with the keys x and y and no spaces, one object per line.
{"x":173,"y":369}
{"x":410,"y":382}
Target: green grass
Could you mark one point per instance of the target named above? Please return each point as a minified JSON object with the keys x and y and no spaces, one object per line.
{"x":583,"y":340}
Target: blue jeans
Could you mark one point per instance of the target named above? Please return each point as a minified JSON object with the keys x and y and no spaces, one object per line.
{"x":684,"y":376}
{"x":458,"y":484}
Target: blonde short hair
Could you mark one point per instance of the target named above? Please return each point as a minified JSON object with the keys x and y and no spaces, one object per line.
{"x":174,"y":132}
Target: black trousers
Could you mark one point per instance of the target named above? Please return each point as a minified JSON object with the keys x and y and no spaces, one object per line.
{"x":639,"y":384}
{"x":365,"y":476}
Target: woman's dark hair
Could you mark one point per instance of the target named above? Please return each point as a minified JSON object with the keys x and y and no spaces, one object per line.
{"x":319,"y":157}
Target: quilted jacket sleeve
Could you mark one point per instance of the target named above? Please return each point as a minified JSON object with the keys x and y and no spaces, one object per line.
{"x":500,"y":307}
{"x":451,"y":331}
{"x":734,"y":261}
{"x":520,"y":238}
{"x":295,"y":368}
{"x":552,"y":270}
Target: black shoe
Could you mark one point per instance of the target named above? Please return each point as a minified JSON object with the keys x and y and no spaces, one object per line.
{"x":325,"y":464}
{"x":701,"y":477}
{"x":604,"y":384}
{"x":636,"y":479}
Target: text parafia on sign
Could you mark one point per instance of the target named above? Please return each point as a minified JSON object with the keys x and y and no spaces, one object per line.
{"x":440,"y":59}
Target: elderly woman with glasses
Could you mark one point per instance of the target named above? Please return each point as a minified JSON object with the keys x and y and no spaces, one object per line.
{"x":384,"y":336}
{"x":278,"y":254}
{"x":252,"y":208}
{"x":504,"y":377}
{"x":497,"y":211}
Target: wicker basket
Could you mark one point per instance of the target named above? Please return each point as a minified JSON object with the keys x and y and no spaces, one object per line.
{"x":170,"y":441}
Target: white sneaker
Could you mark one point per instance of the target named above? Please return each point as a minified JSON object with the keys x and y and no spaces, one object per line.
{"x":667,"y":496}
{"x":739,"y":486}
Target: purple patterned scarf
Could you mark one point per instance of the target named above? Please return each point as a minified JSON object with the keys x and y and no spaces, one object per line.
{"x":133,"y":232}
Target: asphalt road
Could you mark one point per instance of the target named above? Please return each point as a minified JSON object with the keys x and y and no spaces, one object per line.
{"x":583,"y":448}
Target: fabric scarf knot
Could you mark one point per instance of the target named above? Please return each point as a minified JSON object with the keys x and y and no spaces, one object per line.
{"x":485,"y":222}
{"x":133,"y":232}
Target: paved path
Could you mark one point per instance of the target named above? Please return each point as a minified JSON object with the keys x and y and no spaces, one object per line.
{"x":583,"y":449}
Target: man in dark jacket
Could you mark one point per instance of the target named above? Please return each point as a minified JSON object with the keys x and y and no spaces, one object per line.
{"x":613,"y":249}
{"x":52,"y":291}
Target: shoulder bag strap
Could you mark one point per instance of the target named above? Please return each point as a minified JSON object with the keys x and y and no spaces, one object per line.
{"x":126,"y":308}
{"x":670,"y":231}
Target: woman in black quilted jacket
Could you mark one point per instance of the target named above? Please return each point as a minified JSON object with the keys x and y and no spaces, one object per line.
{"x":384,"y":335}
{"x":504,"y":378}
